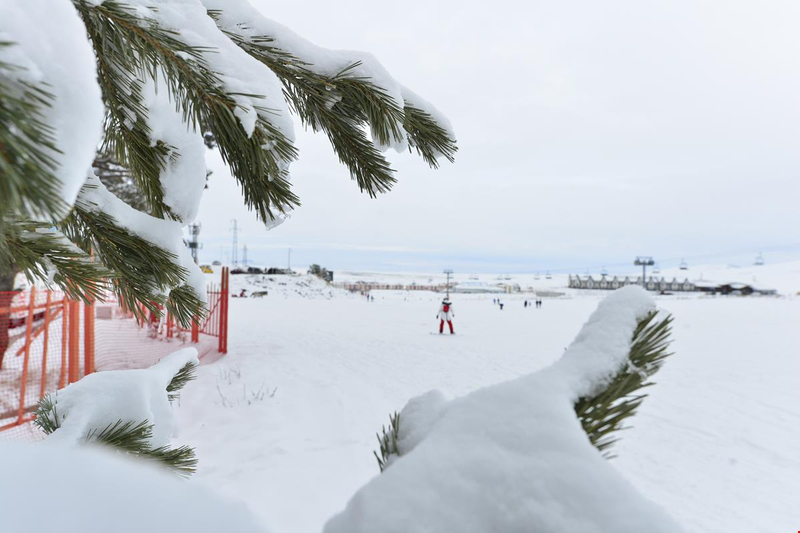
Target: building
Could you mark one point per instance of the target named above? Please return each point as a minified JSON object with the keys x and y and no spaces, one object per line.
{"x":652,"y":283}
{"x":662,"y":285}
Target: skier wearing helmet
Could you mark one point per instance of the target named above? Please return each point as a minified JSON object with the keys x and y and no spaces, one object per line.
{"x":446,"y":315}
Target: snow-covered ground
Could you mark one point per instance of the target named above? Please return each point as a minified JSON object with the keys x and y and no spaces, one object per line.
{"x":287,"y":420}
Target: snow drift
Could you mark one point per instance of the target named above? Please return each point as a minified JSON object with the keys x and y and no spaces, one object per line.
{"x":513,"y":456}
{"x":55,"y":488}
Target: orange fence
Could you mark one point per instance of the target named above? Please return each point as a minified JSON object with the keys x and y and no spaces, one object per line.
{"x":45,"y":344}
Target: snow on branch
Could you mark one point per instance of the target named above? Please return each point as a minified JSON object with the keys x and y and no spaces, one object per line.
{"x":339,"y":91}
{"x":45,"y":62}
{"x":127,"y":409}
{"x":514,"y":456}
{"x":164,"y":237}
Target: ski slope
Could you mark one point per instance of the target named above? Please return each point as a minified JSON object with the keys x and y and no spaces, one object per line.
{"x":287,"y":421}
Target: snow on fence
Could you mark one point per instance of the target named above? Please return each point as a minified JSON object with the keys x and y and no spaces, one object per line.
{"x":48,"y":341}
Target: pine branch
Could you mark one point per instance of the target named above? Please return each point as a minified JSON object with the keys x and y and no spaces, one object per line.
{"x":45,"y":254}
{"x":138,"y":48}
{"x":604,"y":413}
{"x":342,"y":106}
{"x":388,"y":442}
{"x":47,"y":415}
{"x":143,"y":271}
{"x":28,"y":186}
{"x":179,"y":380}
{"x":134,"y":438}
{"x":427,"y":136}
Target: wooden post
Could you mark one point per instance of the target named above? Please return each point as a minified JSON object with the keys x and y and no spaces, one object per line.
{"x":195,"y":330}
{"x":88,"y":339}
{"x":28,"y":331}
{"x":46,"y":342}
{"x":74,"y":341}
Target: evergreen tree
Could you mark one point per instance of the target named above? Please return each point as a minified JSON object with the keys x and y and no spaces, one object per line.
{"x":171,"y":77}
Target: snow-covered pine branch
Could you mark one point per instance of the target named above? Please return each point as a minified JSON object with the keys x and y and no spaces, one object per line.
{"x":128,"y":410}
{"x":150,"y":75}
{"x":514,"y":456}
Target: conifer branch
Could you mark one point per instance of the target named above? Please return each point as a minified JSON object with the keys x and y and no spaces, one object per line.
{"x":427,"y":137}
{"x":46,"y":417}
{"x":603,"y":414}
{"x":28,"y":186}
{"x":179,"y":380}
{"x":138,"y":48}
{"x":45,"y":254}
{"x":341,"y":105}
{"x":134,"y":439}
{"x":143,"y":272}
{"x":387,"y":442}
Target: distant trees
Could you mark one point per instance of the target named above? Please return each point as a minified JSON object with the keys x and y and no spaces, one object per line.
{"x":320,"y":272}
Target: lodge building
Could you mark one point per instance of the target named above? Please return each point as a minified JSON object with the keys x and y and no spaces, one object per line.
{"x":653,"y":284}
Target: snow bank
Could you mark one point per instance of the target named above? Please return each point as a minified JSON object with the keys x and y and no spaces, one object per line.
{"x":103,"y":398}
{"x":513,"y":456}
{"x":55,"y":54}
{"x":55,"y":488}
{"x":166,"y":234}
{"x":239,"y":17}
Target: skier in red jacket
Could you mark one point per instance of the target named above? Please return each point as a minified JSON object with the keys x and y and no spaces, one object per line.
{"x":446,"y":315}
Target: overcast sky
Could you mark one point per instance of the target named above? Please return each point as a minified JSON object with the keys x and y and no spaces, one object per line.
{"x":589,"y":132}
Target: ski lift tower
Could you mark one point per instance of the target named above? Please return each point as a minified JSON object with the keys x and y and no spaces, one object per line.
{"x":759,"y":260}
{"x":449,"y":272}
{"x":644,"y":262}
{"x":194,"y":243}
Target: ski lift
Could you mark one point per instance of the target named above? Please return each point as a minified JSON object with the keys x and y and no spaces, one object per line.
{"x":547,"y":275}
{"x":536,"y":276}
{"x":656,"y":270}
{"x":759,"y":260}
{"x":684,"y":266}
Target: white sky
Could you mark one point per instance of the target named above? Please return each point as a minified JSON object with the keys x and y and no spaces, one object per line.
{"x":589,"y":132}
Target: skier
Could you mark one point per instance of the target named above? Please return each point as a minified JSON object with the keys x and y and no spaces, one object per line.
{"x":526,"y":304}
{"x":501,"y":305}
{"x":446,"y":315}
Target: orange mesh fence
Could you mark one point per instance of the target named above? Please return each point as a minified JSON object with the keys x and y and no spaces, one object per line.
{"x":48,"y":341}
{"x":34,"y":352}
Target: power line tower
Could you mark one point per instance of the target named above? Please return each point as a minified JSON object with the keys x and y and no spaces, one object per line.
{"x":244,"y":256}
{"x":289,"y":261}
{"x":235,"y":245}
{"x":644,"y":262}
{"x":449,"y":272}
{"x":194,"y":243}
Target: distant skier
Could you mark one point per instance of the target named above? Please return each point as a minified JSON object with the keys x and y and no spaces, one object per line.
{"x":501,"y":305}
{"x":526,"y":304}
{"x":446,"y":315}
{"x":243,"y":294}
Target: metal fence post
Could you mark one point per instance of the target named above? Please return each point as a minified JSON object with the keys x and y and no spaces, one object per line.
{"x":28,"y":331}
{"x":74,"y":341}
{"x":88,"y":339}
